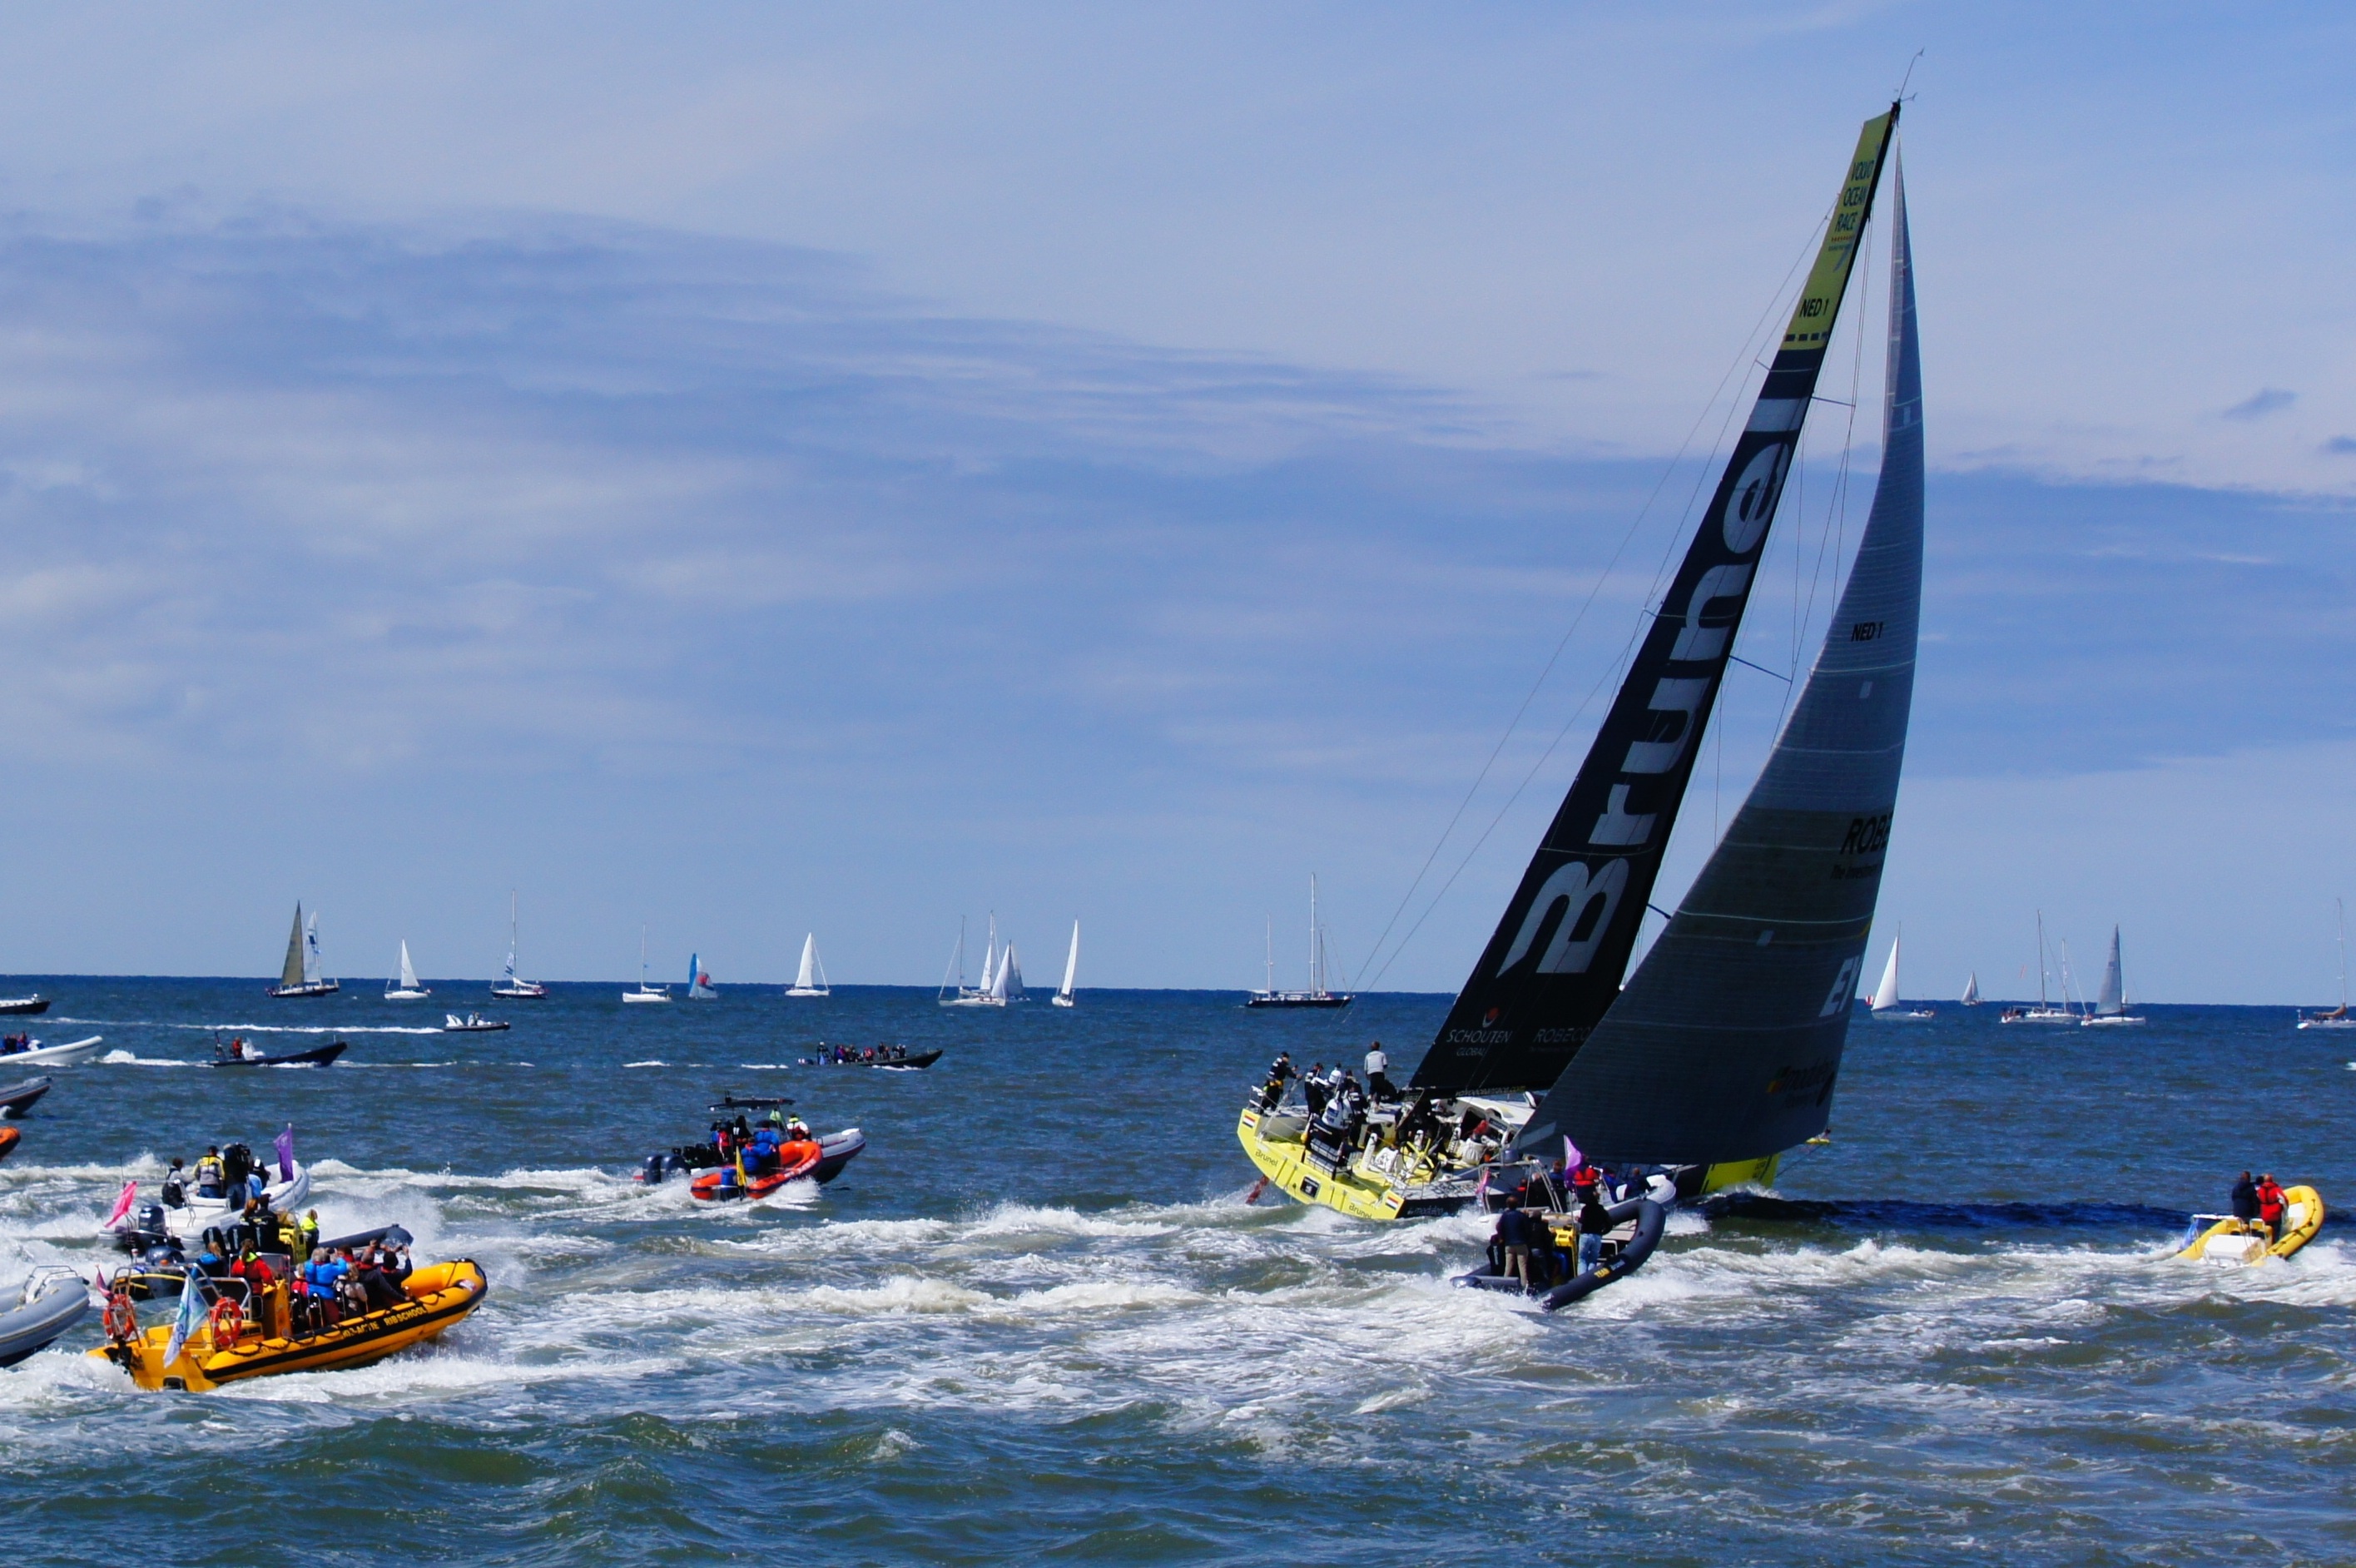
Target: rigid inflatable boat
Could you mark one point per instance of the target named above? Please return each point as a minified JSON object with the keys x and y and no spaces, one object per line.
{"x":17,"y":1097}
{"x":51,"y":1300}
{"x":1636,"y":1225}
{"x":244,"y":1334}
{"x":317,"y":1056}
{"x":835,"y":1150}
{"x":906,"y":1060}
{"x":53,"y":1056}
{"x":2231,"y":1240}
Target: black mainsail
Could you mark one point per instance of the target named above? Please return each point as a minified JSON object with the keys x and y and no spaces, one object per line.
{"x":1727,"y":1042}
{"x":1553,"y":968}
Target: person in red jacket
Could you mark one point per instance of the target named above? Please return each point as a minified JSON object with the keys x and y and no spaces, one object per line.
{"x":2271,"y":1204}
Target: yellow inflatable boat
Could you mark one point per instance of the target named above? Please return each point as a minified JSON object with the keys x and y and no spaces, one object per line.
{"x":243,"y":1336}
{"x":2231,"y":1240}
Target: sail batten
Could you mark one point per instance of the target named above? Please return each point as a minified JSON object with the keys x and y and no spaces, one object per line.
{"x":1552,"y":969}
{"x":1726,"y":1045}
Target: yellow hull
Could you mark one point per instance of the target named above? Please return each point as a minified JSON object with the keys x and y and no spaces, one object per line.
{"x":2243,"y":1241}
{"x":1364,"y":1193}
{"x":439,"y":1296}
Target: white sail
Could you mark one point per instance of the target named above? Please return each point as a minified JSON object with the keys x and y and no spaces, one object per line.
{"x":1885,"y":995}
{"x":408,"y":972}
{"x":1010,"y":976}
{"x":1972,"y":990}
{"x":2112,"y":1001}
{"x":810,"y":978}
{"x":311,"y":951}
{"x":1071,"y":967}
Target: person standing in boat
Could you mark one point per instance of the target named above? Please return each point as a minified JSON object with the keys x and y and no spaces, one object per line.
{"x":2245,"y":1199}
{"x":1314,"y":1090}
{"x":1594,"y":1220}
{"x":2271,"y":1205}
{"x":208,"y":1173}
{"x":1271,"y":1093}
{"x":1378,"y":1067}
{"x":1514,"y":1243}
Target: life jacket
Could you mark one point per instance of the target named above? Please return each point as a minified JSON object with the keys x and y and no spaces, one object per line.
{"x":2271,"y":1201}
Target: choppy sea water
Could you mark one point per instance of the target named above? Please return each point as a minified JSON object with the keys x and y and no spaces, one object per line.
{"x":1036,"y":1321}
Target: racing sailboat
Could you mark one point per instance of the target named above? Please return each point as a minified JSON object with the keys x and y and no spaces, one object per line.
{"x":1886,"y":1004}
{"x":509,"y":985}
{"x":1972,"y":990}
{"x":406,"y":988}
{"x":1063,"y":998}
{"x":810,"y":978}
{"x":299,"y":976}
{"x":2111,"y":1004}
{"x":1722,"y":1051}
{"x":698,"y":983}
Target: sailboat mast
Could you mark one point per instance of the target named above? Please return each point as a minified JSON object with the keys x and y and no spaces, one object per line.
{"x":1316,"y":973}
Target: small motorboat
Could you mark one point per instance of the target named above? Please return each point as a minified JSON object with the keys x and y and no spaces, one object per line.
{"x":472,"y":1023}
{"x":9,"y":1139}
{"x":743,"y":1178}
{"x":189,"y":1213}
{"x":718,"y":1179}
{"x":17,"y":1097}
{"x":1636,"y":1225}
{"x":235,"y":1333}
{"x":24,"y":1006}
{"x":244,"y":1053}
{"x":2226,"y":1239}
{"x":35,"y":1053}
{"x":50,"y":1301}
{"x":905,"y":1061}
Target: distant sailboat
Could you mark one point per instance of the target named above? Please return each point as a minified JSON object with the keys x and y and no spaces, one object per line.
{"x":406,"y":989}
{"x":1886,"y":1004}
{"x":2111,"y":1006}
{"x":2339,"y":1017}
{"x":1318,"y":995}
{"x":1001,"y":977}
{"x":2044,"y":1012}
{"x":699,"y":984}
{"x":645,"y":992}
{"x":1972,"y":990}
{"x":509,"y":985}
{"x":1063,"y":998}
{"x":299,"y":976}
{"x":810,"y":980}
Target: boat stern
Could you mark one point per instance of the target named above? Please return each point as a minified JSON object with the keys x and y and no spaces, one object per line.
{"x":1277,"y":1145}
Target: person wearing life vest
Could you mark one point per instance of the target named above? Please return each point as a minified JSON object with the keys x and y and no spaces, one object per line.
{"x":2271,"y":1205}
{"x":208,"y":1173}
{"x":310,"y":1233}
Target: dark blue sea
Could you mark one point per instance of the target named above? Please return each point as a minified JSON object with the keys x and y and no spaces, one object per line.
{"x":1036,"y":1321}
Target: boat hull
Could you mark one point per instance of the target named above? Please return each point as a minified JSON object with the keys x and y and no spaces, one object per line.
{"x":1645,"y":1219}
{"x":17,"y":1099}
{"x":317,"y":1056}
{"x":23,"y":1006}
{"x":439,"y":1296}
{"x":1261,"y":1000}
{"x":312,"y":988}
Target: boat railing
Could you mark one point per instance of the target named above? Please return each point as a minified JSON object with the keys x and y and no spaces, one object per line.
{"x":44,"y":1280}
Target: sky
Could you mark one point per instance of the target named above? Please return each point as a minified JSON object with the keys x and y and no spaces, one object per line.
{"x":748,"y":471}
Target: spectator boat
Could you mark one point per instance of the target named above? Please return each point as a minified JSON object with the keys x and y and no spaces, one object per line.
{"x":2226,"y":1239}
{"x":35,"y":1053}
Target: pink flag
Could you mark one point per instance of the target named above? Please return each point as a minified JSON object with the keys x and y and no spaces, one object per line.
{"x":1570,"y":1154}
{"x":1481,"y":1193}
{"x":122,"y":1204}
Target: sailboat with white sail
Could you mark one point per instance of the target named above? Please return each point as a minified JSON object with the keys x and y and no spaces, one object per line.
{"x":1063,"y":998}
{"x":2111,"y":1003}
{"x":1002,"y":974}
{"x":810,"y":978}
{"x":698,"y":983}
{"x":300,"y":976}
{"x":1722,"y":1051}
{"x":2044,"y":1012}
{"x":1972,"y":990}
{"x":406,"y":988}
{"x":2339,"y":1017}
{"x":1886,"y":1007}
{"x":509,"y":986}
{"x":645,"y":992}
{"x":1318,"y":993}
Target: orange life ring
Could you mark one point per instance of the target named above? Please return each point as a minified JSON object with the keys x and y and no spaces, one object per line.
{"x":227,"y":1324}
{"x":122,"y":1319}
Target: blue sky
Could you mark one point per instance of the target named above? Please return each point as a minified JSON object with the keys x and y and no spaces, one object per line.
{"x":753,"y":473}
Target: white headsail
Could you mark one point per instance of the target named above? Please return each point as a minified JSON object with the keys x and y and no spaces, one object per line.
{"x":1071,"y":967}
{"x":1885,"y":995}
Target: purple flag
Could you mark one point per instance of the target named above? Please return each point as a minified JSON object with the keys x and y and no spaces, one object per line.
{"x":285,"y":1144}
{"x":1570,"y":1154}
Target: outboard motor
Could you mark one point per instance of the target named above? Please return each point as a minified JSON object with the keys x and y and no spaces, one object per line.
{"x":655,"y":1169}
{"x":151,"y":1218}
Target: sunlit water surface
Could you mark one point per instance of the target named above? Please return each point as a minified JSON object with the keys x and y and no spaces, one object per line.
{"x":1036,"y":1319}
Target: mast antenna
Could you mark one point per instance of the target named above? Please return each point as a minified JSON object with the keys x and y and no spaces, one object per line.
{"x":1899,"y":96}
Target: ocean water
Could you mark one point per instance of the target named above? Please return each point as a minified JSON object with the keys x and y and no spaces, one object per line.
{"x":1037,"y":1320}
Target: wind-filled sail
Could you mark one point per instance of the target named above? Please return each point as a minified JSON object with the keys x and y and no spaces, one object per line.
{"x":1885,"y":995}
{"x":310,"y":975}
{"x":408,"y":973}
{"x":1726,"y":1043}
{"x":2112,"y":1002}
{"x":1071,"y":964}
{"x":808,"y":973}
{"x":1972,"y":990}
{"x":290,"y":973}
{"x":1553,"y":967}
